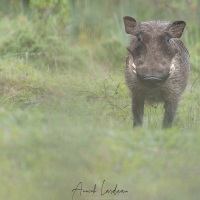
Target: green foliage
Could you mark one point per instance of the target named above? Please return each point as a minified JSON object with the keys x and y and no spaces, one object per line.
{"x":46,"y":8}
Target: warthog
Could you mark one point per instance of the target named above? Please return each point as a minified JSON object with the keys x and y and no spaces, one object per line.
{"x":157,"y":66}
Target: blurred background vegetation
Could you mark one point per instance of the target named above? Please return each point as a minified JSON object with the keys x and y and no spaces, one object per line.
{"x":65,"y":110}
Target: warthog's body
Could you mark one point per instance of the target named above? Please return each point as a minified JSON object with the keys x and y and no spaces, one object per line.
{"x":157,"y":66}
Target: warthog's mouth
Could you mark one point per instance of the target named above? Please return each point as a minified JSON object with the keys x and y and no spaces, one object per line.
{"x":153,"y":81}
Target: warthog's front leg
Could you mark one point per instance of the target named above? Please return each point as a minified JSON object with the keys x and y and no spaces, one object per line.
{"x":170,"y":113}
{"x":137,"y":110}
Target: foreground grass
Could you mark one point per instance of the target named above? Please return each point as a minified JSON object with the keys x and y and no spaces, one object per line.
{"x":56,"y":131}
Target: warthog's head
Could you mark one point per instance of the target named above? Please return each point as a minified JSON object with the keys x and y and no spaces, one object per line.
{"x":153,"y":48}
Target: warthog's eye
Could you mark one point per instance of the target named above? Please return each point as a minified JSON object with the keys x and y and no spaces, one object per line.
{"x":168,"y":38}
{"x":139,"y":37}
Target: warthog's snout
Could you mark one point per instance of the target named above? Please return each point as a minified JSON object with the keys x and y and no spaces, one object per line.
{"x":151,"y":81}
{"x":152,"y":78}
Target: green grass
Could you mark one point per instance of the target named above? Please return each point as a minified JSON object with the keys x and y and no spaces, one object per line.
{"x":65,"y":110}
{"x":60,"y":130}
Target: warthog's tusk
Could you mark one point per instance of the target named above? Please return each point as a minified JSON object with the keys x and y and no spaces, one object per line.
{"x":172,"y":68}
{"x":134,"y":68}
{"x":133,"y":65}
{"x":134,"y":71}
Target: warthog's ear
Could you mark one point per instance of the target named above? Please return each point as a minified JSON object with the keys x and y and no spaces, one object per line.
{"x":129,"y":24}
{"x":176,"y":28}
